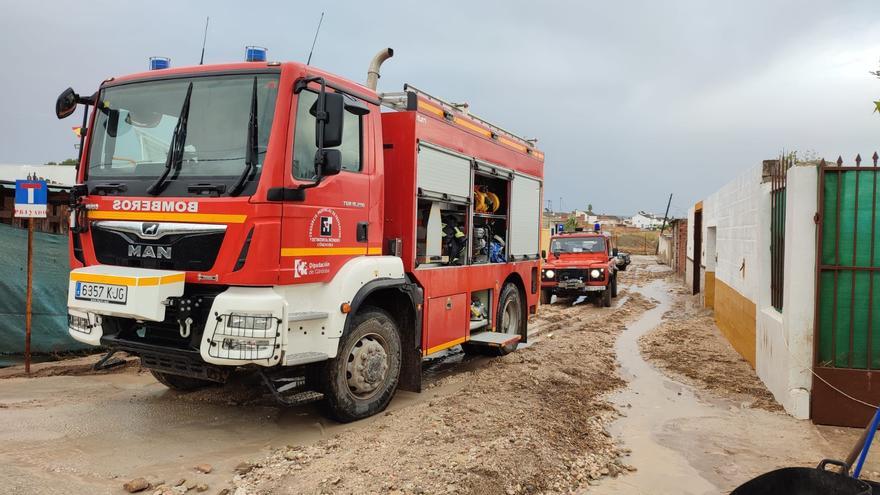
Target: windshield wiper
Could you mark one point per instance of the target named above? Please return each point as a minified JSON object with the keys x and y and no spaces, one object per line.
{"x":252,"y":153}
{"x":175,"y":150}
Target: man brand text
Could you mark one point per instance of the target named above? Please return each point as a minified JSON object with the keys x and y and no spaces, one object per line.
{"x":157,"y":252}
{"x":156,"y":205}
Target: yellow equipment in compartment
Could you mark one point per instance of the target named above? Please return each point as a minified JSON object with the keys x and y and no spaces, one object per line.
{"x":485,"y":201}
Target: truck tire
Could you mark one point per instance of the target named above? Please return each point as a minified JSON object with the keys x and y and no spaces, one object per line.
{"x":614,"y":286}
{"x":508,"y":319}
{"x":546,"y":296}
{"x":181,"y":383}
{"x":360,"y":381}
{"x":606,"y":297}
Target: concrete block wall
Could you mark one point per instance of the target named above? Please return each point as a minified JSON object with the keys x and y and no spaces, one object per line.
{"x":731,"y":214}
{"x":779,"y":345}
{"x":785,"y":339}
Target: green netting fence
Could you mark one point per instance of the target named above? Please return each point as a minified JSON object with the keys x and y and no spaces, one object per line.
{"x":51,"y":268}
{"x":849,"y":288}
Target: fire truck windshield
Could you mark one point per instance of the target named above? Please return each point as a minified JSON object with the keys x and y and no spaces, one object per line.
{"x":578,"y":245}
{"x":132,"y":135}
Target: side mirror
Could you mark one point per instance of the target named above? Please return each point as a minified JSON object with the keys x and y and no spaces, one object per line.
{"x":330,"y":122}
{"x":544,"y":254}
{"x":65,"y":105}
{"x":328,"y":162}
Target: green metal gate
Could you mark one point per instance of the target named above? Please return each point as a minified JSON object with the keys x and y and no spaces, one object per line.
{"x":847,"y":326}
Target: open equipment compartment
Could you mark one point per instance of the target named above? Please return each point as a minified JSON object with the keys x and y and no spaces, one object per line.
{"x":491,"y":195}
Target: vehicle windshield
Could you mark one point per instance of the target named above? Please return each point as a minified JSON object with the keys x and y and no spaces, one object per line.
{"x":135,"y":123}
{"x":578,"y":245}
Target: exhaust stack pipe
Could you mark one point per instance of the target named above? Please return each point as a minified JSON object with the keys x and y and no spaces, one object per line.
{"x":373,"y":71}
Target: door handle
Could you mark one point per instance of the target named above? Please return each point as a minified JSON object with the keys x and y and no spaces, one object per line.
{"x":448,"y":303}
{"x":362,"y":232}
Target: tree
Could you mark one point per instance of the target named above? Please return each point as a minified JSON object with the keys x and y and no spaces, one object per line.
{"x":68,"y":162}
{"x":571,"y":224}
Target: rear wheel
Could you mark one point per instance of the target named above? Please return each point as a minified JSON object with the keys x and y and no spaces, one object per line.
{"x":509,"y":320}
{"x":546,"y":296}
{"x":362,"y":378}
{"x":181,"y":383}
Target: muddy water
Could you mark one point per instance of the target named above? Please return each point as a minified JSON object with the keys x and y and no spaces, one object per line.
{"x":649,"y":403}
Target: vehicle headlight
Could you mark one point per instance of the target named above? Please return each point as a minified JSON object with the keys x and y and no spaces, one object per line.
{"x":251,"y":321}
{"x":549,"y":273}
{"x":596,"y":273}
{"x":246,"y":345}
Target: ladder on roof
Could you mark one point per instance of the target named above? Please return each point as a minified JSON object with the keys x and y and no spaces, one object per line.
{"x":407,"y":100}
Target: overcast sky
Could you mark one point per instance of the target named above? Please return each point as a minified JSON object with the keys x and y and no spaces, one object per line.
{"x":630,"y":101}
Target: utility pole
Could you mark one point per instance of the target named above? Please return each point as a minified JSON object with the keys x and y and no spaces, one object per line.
{"x":663,"y":226}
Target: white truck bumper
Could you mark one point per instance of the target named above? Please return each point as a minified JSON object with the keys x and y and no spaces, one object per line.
{"x":103,"y":290}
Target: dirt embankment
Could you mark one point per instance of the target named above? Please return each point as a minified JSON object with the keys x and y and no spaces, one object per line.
{"x":691,"y":347}
{"x":532,"y":421}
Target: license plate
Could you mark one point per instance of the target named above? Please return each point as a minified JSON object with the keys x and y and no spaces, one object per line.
{"x":114,"y":294}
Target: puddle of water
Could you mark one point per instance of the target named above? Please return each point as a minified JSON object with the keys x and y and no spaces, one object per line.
{"x":649,"y":403}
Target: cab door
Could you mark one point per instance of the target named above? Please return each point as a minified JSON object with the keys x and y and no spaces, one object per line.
{"x":333,"y":223}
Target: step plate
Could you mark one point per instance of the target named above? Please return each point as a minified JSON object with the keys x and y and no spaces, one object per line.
{"x":495,"y":339}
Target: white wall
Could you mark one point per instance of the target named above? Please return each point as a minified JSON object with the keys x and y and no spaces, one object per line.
{"x":740,"y":211}
{"x":733,"y":211}
{"x":785,"y":341}
{"x":62,"y":174}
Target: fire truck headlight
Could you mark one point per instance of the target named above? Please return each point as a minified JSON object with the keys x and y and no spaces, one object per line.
{"x":596,"y":273}
{"x":549,"y":273}
{"x":251,"y":321}
{"x":248,"y":348}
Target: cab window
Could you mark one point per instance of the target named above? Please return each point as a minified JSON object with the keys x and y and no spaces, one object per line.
{"x":304,"y":148}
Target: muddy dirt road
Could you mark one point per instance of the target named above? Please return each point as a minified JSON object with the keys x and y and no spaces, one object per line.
{"x":556,"y":416}
{"x":695,"y":416}
{"x":531,"y":421}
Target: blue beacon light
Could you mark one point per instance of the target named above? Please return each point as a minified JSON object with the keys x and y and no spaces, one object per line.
{"x":255,"y":53}
{"x":159,"y":63}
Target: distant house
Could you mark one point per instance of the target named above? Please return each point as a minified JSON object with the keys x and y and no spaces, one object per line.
{"x":584,"y":216}
{"x":610,"y":220}
{"x":645,"y":220}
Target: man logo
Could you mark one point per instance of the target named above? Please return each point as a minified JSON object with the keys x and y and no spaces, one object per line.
{"x":154,"y":252}
{"x":149,"y":229}
{"x":300,"y":268}
{"x":326,"y":226}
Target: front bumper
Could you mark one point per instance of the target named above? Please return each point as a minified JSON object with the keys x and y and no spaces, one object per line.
{"x":242,"y":326}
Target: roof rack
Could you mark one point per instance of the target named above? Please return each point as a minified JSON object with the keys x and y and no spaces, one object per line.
{"x":408,"y":100}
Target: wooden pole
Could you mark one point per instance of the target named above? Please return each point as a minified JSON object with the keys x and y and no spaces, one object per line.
{"x":30,"y":287}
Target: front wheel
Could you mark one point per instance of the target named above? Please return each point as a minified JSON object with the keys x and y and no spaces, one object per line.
{"x":614,"y":286}
{"x":546,"y":296}
{"x":606,"y":297}
{"x":362,"y":378}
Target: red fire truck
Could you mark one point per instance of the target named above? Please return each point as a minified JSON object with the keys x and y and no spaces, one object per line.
{"x":278,"y":217}
{"x":580,"y":264}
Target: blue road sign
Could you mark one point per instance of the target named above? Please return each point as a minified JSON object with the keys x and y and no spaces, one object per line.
{"x":31,"y":197}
